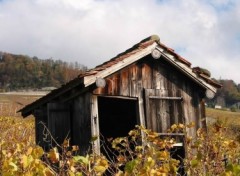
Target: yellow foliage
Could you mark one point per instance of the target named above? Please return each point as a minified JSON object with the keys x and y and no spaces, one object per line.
{"x":53,"y":155}
{"x":205,"y":153}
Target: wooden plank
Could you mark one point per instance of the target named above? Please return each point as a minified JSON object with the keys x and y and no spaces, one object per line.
{"x":113,"y":84}
{"x":165,"y":98}
{"x":124,"y":82}
{"x":172,"y":93}
{"x":120,"y":97}
{"x":59,"y":121}
{"x":133,"y":80}
{"x":188,"y":110}
{"x":116,"y":89}
{"x":75,"y":92}
{"x":159,"y":111}
{"x":203,"y":114}
{"x":149,"y":117}
{"x":95,"y":124}
{"x":179,"y":144}
{"x":147,"y":76}
{"x":138,"y":82}
{"x":196,"y":105}
{"x":158,"y":115}
{"x":178,"y":109}
{"x":157,"y":77}
{"x":141,"y":110}
{"x":81,"y":123}
{"x":171,"y":134}
{"x":162,"y":91}
{"x":164,"y":111}
{"x":40,"y":121}
{"x":142,"y":114}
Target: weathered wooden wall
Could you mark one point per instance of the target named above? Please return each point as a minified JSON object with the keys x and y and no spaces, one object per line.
{"x":148,"y":77}
{"x":81,"y":122}
{"x":59,"y":121}
{"x":159,"y":78}
{"x":54,"y":118}
{"x":40,"y":123}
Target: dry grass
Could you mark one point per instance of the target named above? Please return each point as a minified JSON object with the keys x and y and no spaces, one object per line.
{"x":13,"y":128}
{"x":227,"y":117}
{"x":11,"y":103}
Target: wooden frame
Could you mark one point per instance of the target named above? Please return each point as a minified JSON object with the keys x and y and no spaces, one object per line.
{"x":95,"y":124}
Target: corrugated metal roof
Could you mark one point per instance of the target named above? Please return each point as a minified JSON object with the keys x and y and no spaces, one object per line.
{"x":79,"y":81}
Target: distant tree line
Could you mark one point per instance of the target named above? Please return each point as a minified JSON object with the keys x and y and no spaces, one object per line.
{"x":24,"y":72}
{"x":228,"y":95}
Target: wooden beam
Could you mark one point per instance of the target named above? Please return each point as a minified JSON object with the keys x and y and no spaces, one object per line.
{"x":120,"y":97}
{"x":166,"y":98}
{"x":180,"y":144}
{"x":73,"y":93}
{"x":95,"y":124}
{"x":171,"y":134}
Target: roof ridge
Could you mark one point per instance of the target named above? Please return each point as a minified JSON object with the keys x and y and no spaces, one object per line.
{"x":148,"y":40}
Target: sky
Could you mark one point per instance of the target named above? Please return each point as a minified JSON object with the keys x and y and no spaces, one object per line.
{"x":205,"y":32}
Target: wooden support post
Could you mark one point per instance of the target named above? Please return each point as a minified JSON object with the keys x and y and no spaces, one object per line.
{"x":95,"y":124}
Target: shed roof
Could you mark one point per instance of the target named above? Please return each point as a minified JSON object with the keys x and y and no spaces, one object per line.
{"x":120,"y":61}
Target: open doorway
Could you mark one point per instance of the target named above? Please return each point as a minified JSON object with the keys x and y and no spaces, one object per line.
{"x":117,"y":117}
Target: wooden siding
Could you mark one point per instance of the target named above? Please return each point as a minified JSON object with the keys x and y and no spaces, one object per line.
{"x":162,"y":110}
{"x":81,"y":122}
{"x":176,"y":99}
{"x":40,"y":124}
{"x":159,"y":78}
{"x":59,"y":121}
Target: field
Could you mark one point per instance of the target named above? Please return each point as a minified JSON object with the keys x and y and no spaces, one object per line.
{"x":227,"y":117}
{"x":19,"y":155}
{"x":11,"y":102}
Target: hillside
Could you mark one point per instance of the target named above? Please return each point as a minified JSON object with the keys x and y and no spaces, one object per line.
{"x":226,"y":96}
{"x":19,"y":72}
{"x":227,"y":117}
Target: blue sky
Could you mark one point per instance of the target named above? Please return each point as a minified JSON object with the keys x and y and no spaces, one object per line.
{"x":205,"y":32}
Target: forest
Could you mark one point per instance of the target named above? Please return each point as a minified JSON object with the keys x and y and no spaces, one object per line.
{"x":20,"y":72}
{"x":226,"y":96}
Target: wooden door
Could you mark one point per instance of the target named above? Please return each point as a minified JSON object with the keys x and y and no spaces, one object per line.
{"x":59,"y":121}
{"x":162,"y":110}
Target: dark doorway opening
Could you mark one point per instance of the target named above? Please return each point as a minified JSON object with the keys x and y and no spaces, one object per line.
{"x":117,"y":117}
{"x":178,"y":153}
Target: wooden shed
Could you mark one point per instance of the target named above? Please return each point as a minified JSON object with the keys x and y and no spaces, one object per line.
{"x":148,"y":84}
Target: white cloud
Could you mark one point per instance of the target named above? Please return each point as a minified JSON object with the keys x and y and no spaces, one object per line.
{"x":93,"y":31}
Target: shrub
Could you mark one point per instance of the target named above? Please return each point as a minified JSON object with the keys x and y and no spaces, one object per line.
{"x":143,"y":152}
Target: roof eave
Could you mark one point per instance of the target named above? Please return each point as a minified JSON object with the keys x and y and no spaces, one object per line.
{"x":186,"y":69}
{"x":88,"y":80}
{"x":28,"y":109}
